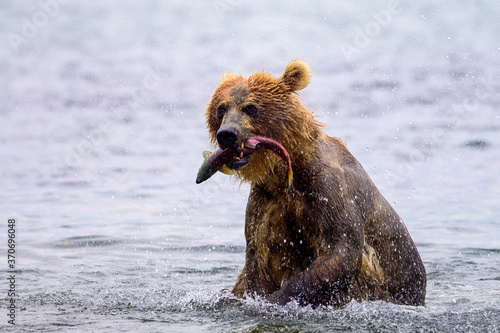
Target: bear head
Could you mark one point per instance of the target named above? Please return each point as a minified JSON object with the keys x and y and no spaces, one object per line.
{"x":266,"y":106}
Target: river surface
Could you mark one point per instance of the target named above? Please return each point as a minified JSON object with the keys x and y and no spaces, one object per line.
{"x":102,"y":133}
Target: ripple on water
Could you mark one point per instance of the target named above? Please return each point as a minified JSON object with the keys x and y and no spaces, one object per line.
{"x":85,"y":241}
{"x":477,"y":144}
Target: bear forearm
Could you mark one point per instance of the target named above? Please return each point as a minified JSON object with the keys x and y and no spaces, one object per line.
{"x":325,"y":282}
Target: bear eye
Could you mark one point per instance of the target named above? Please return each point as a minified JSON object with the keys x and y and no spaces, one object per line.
{"x":221,"y":110}
{"x":250,"y":109}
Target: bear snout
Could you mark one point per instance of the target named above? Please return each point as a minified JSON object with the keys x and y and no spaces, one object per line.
{"x":227,"y":137}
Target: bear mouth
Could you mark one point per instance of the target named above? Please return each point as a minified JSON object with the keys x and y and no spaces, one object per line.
{"x":242,"y":157}
{"x":236,"y":157}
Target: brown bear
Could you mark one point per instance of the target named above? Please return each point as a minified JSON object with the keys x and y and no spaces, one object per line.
{"x":325,"y":235}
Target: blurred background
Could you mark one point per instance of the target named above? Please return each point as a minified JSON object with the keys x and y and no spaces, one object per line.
{"x":102,"y":133}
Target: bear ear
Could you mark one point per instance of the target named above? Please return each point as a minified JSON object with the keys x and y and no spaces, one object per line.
{"x":296,"y":75}
{"x":227,"y":76}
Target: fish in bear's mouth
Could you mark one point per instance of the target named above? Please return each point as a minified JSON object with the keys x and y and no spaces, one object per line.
{"x":235,"y":158}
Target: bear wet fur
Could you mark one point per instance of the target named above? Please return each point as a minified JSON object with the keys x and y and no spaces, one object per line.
{"x":328,"y":238}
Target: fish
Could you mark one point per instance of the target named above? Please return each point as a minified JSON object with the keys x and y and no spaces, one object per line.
{"x":239,"y":156}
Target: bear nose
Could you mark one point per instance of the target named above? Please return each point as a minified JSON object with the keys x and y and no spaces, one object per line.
{"x":227,"y":137}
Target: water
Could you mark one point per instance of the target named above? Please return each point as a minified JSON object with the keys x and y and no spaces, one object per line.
{"x":102,"y":133}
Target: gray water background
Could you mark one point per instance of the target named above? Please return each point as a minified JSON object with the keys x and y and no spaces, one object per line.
{"x":102,"y":131}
